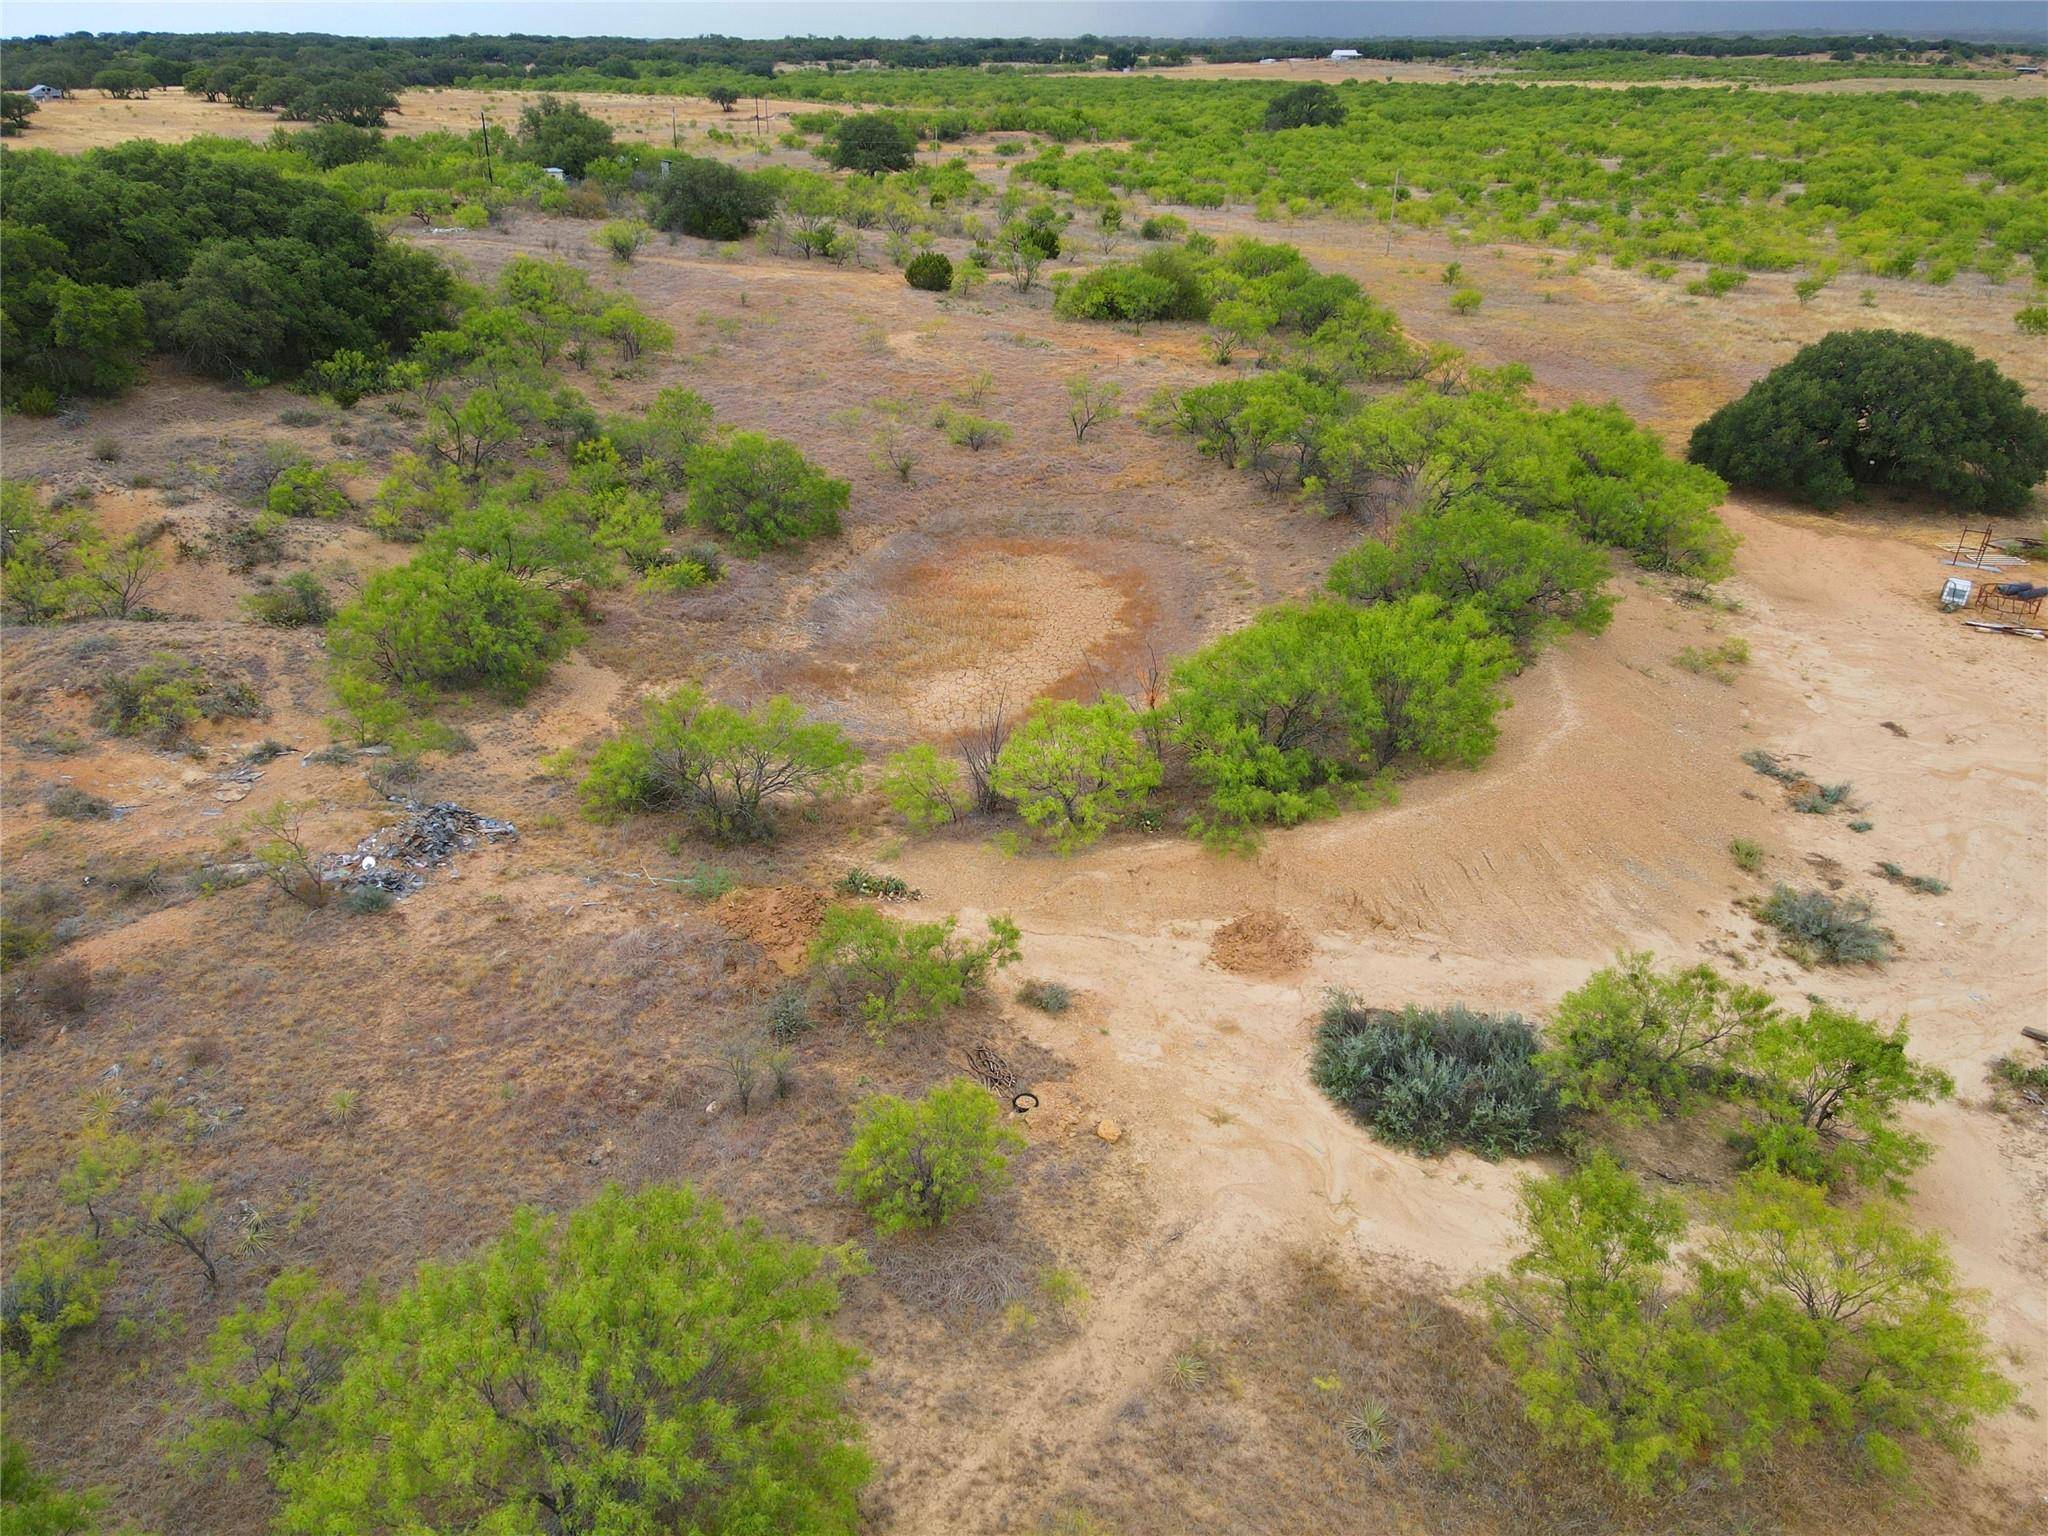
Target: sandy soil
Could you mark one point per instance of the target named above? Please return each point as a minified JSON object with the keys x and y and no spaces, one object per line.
{"x":89,"y":120}
{"x":498,"y":1067}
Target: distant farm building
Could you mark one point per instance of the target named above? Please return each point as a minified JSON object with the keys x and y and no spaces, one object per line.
{"x":1344,"y":53}
{"x":43,"y":93}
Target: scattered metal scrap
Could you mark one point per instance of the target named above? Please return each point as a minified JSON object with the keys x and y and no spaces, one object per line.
{"x":397,"y":859}
{"x":236,"y":782}
{"x":992,"y":1071}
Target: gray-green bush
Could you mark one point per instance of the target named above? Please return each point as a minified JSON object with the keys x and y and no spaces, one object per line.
{"x":1434,"y":1078}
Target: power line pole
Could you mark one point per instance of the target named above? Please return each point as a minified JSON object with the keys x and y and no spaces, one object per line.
{"x":489,"y":175}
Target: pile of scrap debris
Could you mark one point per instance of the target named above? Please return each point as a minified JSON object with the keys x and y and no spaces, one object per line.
{"x":397,"y":859}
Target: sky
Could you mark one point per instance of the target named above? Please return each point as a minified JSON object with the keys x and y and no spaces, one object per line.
{"x":1018,"y":18}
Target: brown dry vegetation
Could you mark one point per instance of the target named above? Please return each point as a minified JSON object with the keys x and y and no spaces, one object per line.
{"x":90,"y":120}
{"x":547,"y":1015}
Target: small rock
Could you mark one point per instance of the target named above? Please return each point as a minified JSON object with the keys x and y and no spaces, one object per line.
{"x":1109,"y":1131}
{"x":602,"y":1153}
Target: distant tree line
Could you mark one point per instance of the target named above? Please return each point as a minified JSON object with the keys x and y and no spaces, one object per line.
{"x":309,"y":61}
{"x":168,"y":58}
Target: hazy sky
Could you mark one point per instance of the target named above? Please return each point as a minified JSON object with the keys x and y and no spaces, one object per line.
{"x":1038,"y":18}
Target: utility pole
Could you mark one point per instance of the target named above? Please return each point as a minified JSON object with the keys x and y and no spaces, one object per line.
{"x":489,"y":176}
{"x":1393,"y":201}
{"x":673,"y":141}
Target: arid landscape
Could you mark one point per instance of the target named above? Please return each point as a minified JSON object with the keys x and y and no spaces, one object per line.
{"x":1244,"y":1262}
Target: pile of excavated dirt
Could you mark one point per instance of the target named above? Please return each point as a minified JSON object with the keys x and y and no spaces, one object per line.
{"x":780,"y":920}
{"x":1261,"y":942}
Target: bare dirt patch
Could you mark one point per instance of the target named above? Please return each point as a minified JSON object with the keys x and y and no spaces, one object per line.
{"x":89,"y":120}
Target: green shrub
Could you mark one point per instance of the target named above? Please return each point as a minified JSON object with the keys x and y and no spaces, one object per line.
{"x":1792,"y":1318}
{"x":1090,"y":402}
{"x":964,"y":430}
{"x":586,"y":1353}
{"x":623,"y":239}
{"x":929,"y":271}
{"x":1881,"y":408}
{"x":33,"y":1505}
{"x":1277,"y":717}
{"x":891,"y":974}
{"x":709,"y":199}
{"x":918,"y":1163}
{"x":348,"y":376}
{"x":1122,"y":295}
{"x":416,"y":498}
{"x":762,"y":493}
{"x":443,"y":621}
{"x":1433,"y":1078}
{"x":267,"y":1371}
{"x":52,"y":1290}
{"x":1073,"y":771}
{"x":923,"y":787}
{"x":1869,"y":1306}
{"x":2032,"y":321}
{"x":1466,"y":301}
{"x":1532,"y":580}
{"x":1747,"y":853}
{"x":653,"y":449}
{"x":1163,"y":226}
{"x":1826,"y":1091}
{"x":46,"y":555}
{"x":1634,"y":1041}
{"x":297,"y":602}
{"x":865,"y":882}
{"x":1719,"y":282}
{"x":1314,"y":105}
{"x":729,"y":771}
{"x":1838,"y":931}
{"x":332,"y":145}
{"x":562,"y":134}
{"x":167,"y":696}
{"x":872,"y":143}
{"x":306,"y":489}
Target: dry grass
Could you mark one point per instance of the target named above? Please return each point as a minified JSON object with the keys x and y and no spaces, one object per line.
{"x":1255,"y":1423}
